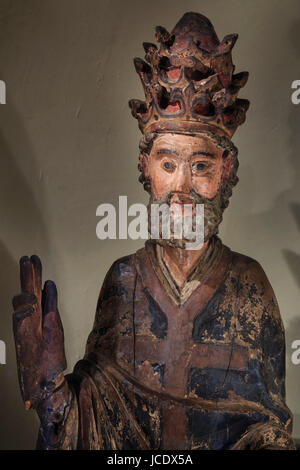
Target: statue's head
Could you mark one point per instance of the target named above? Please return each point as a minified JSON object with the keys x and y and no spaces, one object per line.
{"x":188,"y":118}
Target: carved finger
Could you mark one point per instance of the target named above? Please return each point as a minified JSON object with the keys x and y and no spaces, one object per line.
{"x":49,"y":298}
{"x":21,"y":314}
{"x":26,"y":275}
{"x":21,"y":301}
{"x":53,"y":334}
{"x":37,"y":277}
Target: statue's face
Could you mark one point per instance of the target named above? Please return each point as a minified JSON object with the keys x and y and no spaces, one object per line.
{"x":181,"y":163}
{"x":187,"y":170}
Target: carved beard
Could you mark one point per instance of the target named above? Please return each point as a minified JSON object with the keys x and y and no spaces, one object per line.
{"x":213,"y":214}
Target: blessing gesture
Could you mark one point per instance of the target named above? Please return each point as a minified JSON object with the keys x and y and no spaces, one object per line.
{"x":38,"y":333}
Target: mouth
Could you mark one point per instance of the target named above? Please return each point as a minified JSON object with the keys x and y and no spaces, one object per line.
{"x":181,"y":199}
{"x":182,"y":205}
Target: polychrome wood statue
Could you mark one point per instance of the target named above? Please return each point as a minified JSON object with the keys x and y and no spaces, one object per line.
{"x":187,"y":349}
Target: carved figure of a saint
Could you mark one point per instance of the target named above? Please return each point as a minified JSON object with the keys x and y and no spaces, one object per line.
{"x":187,"y":350}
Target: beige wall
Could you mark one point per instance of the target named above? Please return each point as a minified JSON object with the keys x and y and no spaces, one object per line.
{"x":69,"y":143}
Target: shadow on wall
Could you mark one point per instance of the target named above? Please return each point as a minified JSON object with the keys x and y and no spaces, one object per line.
{"x":274,"y":224}
{"x":20,"y":217}
{"x":292,"y":258}
{"x":293,"y":372}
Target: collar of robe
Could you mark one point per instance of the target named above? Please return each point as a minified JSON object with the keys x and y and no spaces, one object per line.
{"x":203,"y":267}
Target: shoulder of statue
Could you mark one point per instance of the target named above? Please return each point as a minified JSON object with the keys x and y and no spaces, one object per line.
{"x":122,"y":272}
{"x":248,"y":268}
{"x":254,"y":286}
{"x":121,"y":267}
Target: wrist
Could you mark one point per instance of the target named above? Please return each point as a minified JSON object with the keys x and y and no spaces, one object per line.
{"x":54,"y":399}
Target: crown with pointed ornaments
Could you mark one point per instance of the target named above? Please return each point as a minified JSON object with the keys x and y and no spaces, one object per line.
{"x":189,"y":82}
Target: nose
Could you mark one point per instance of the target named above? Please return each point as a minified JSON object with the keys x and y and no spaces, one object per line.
{"x":183,"y":181}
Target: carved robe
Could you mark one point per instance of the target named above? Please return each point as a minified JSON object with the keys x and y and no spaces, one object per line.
{"x":203,"y":368}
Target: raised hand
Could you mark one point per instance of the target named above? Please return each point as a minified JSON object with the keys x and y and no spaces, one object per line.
{"x":39,"y":335}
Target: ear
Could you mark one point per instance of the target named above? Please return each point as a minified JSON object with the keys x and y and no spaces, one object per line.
{"x":226,"y":166}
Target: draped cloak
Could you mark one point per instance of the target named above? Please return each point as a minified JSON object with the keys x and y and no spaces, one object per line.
{"x":204,"y":373}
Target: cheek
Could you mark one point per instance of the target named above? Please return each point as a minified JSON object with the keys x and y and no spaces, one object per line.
{"x":161,"y":181}
{"x":208,"y":186}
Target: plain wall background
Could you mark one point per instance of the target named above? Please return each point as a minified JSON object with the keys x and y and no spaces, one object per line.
{"x":68,"y":143}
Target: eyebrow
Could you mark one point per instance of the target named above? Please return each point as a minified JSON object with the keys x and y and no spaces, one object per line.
{"x":169,"y":151}
{"x":204,"y":154}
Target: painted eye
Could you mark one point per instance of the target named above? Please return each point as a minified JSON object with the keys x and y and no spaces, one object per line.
{"x":198,"y":167}
{"x":168,"y":166}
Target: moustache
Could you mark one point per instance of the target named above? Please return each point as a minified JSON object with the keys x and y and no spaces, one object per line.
{"x":178,"y":197}
{"x":213,"y":208}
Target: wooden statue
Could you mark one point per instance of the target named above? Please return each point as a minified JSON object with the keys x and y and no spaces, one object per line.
{"x":187,"y":349}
